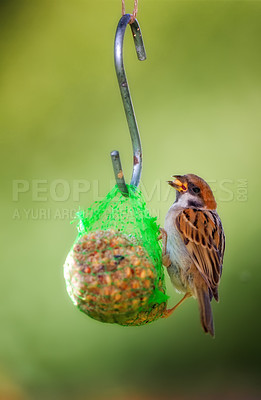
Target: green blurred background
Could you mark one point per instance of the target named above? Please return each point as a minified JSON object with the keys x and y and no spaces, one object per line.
{"x":197,"y":100}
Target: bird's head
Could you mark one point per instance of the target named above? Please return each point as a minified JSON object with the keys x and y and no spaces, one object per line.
{"x":193,"y":191}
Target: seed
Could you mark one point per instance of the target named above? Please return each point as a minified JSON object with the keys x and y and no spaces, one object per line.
{"x":146,"y":283}
{"x":143,"y":274}
{"x":135,"y":302}
{"x":77,"y":247}
{"x":135,"y":285}
{"x":106,"y":291}
{"x":117,"y":297}
{"x":136,"y":262}
{"x":127,"y":271}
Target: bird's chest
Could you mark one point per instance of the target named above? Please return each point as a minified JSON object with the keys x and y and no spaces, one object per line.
{"x":176,"y":249}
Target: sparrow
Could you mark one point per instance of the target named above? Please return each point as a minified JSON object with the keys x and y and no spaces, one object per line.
{"x":193,"y":244}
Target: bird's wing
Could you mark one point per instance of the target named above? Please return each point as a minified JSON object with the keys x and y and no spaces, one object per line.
{"x":203,"y":235}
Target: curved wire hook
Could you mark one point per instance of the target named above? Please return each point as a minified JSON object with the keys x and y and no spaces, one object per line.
{"x":127,"y":103}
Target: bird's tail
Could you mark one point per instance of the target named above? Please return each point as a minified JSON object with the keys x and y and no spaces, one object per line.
{"x":206,"y":316}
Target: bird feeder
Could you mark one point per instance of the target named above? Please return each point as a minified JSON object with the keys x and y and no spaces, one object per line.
{"x":114,"y":270}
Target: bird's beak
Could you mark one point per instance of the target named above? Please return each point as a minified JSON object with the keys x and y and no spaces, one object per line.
{"x":178,"y":184}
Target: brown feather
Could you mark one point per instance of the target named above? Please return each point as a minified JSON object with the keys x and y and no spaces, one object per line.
{"x":203,"y":235}
{"x":206,"y":317}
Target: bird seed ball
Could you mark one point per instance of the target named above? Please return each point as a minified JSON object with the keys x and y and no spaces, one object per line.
{"x":108,"y":276}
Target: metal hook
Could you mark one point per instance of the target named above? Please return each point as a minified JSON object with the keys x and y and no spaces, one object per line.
{"x":128,"y":107}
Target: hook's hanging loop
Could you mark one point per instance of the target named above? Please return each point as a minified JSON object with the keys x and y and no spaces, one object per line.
{"x":135,"y":10}
{"x":127,"y":103}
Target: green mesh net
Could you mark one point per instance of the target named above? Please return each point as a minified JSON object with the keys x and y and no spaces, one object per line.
{"x":114,"y":270}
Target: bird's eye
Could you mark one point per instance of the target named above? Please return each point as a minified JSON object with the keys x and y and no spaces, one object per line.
{"x":196,"y":189}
